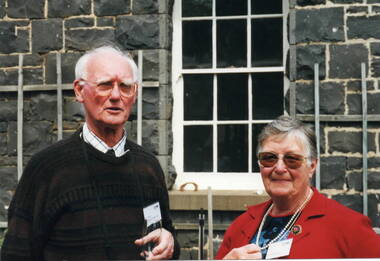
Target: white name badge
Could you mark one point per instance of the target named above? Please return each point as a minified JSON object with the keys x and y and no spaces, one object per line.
{"x":152,"y":213}
{"x":279,"y":249}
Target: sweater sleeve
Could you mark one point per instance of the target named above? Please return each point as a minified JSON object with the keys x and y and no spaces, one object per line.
{"x":20,"y":242}
{"x":166,"y":219}
{"x":225,"y":247}
{"x":237,"y":234}
{"x":365,"y":243}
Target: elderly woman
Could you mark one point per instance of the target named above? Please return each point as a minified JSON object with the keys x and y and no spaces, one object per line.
{"x":298,"y":221}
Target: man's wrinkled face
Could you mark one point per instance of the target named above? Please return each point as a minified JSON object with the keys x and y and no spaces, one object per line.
{"x":107,"y":107}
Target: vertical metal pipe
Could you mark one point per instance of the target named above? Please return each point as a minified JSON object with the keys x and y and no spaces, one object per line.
{"x":20,"y":119}
{"x":317,"y":129}
{"x":292,"y":100}
{"x":210,"y":225}
{"x":201,"y":234}
{"x":365,"y":139}
{"x":139,"y":99}
{"x":59,"y":97}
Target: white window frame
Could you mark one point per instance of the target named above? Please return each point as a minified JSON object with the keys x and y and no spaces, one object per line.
{"x":217,"y":181}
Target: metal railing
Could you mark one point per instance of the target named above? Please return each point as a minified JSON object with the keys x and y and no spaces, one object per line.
{"x":316,"y":117}
{"x":364,"y":118}
{"x":59,"y":87}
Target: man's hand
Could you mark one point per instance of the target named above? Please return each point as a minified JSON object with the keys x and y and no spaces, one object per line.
{"x":250,"y":251}
{"x":164,"y":244}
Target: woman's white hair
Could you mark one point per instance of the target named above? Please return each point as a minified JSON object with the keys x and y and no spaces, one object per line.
{"x":287,"y":126}
{"x":81,"y":65}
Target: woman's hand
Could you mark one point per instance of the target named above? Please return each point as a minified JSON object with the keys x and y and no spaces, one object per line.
{"x":250,"y":251}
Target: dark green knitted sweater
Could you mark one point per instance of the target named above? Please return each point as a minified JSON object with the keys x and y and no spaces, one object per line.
{"x":65,"y":209}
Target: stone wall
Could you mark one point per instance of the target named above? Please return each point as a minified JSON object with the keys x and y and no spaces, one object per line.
{"x":38,"y":30}
{"x":340,"y":35}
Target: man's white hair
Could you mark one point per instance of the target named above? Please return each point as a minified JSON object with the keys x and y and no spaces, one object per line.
{"x":81,"y":65}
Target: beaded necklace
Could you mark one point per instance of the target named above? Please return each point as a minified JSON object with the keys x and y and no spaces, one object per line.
{"x":287,"y":227}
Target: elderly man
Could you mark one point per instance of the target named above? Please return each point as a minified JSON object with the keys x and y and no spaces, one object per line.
{"x":89,"y":197}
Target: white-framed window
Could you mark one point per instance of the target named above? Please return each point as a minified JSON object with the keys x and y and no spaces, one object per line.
{"x":228,"y":69}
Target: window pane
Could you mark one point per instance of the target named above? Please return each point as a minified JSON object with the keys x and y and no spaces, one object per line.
{"x":267,"y":95}
{"x":256,"y":129}
{"x":198,"y":97}
{"x":266,"y":7}
{"x":231,"y":43}
{"x":232,"y":97}
{"x":196,"y":44}
{"x":197,"y":148}
{"x":196,"y":8}
{"x":233,"y":148}
{"x":267,"y":42}
{"x":231,"y":7}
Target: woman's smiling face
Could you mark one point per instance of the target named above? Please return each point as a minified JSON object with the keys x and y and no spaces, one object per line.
{"x":281,"y":181}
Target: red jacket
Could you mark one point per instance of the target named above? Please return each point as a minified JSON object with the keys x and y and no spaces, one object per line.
{"x":328,"y":230}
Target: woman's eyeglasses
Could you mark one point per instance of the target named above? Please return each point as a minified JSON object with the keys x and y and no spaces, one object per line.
{"x":291,"y":160}
{"x":105,"y":88}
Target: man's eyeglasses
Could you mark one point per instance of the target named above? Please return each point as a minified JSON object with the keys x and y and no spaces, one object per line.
{"x":105,"y":88}
{"x":291,"y":160}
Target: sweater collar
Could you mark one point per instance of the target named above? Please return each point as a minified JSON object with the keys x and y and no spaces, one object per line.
{"x":91,"y":138}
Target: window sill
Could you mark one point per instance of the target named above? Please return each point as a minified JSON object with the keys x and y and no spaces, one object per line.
{"x":223,"y":200}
